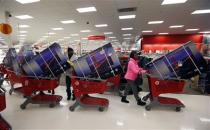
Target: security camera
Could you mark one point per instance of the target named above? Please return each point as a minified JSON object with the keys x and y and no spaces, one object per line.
{"x":8,"y":14}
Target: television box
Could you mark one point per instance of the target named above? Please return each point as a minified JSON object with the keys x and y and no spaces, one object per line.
{"x":101,"y":63}
{"x":25,"y":54}
{"x":51,"y":62}
{"x":182,"y":63}
{"x":11,"y":61}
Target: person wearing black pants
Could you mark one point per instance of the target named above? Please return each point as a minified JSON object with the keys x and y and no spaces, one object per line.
{"x":68,"y":75}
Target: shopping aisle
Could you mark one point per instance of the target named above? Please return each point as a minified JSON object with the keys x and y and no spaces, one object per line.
{"x":196,"y":115}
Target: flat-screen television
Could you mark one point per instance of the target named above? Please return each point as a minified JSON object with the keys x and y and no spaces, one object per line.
{"x":101,"y":63}
{"x":51,"y":62}
{"x":182,"y":63}
{"x":11,"y":61}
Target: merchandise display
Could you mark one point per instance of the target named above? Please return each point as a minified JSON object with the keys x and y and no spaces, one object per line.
{"x":184,"y":62}
{"x":101,"y":63}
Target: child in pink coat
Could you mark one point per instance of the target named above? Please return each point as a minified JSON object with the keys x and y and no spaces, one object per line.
{"x":133,"y":71}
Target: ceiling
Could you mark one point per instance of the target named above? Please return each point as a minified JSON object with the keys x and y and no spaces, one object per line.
{"x":48,"y":14}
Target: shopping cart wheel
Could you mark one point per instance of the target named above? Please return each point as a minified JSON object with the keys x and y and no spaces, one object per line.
{"x":51,"y":105}
{"x":22,"y":106}
{"x":10,"y":92}
{"x":148,"y":108}
{"x":178,"y":109}
{"x":101,"y":109}
{"x":71,"y":108}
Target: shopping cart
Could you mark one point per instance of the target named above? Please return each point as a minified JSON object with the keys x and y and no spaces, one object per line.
{"x":4,"y":125}
{"x":32,"y":88}
{"x":82,"y":87}
{"x":113,"y":84}
{"x":159,"y":86}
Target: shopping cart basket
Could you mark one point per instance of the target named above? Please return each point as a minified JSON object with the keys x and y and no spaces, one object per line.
{"x":82,"y":87}
{"x":159,"y":86}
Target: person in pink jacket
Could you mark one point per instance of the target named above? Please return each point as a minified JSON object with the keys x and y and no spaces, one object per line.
{"x":133,"y":70}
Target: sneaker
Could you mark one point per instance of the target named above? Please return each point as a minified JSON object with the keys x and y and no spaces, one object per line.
{"x":124,"y":100}
{"x":141,"y":103}
{"x":68,"y":98}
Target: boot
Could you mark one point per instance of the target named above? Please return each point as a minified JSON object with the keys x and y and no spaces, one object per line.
{"x":124,"y":99}
{"x":141,"y":103}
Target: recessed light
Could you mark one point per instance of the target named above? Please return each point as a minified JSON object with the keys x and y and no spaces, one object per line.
{"x":68,"y":21}
{"x":205,"y":32}
{"x":192,"y":29}
{"x":74,"y":34}
{"x":112,"y":37}
{"x":176,"y":26}
{"x":67,"y":37}
{"x":85,"y":31}
{"x":126,"y":28}
{"x":24,"y":17}
{"x":23,"y":26}
{"x":147,"y":31}
{"x":101,"y":25}
{"x":23,"y":31}
{"x":86,"y":9}
{"x":167,"y":2}
{"x":57,"y":29}
{"x":127,"y":16}
{"x":108,"y":33}
{"x":27,"y":1}
{"x":155,"y":22}
{"x":126,"y":34}
{"x":204,"y":11}
{"x":126,"y":38}
{"x":163,"y":33}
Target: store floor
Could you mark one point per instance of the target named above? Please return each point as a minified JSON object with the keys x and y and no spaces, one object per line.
{"x":196,"y":115}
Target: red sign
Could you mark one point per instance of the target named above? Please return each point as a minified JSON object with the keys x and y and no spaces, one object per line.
{"x":101,"y":37}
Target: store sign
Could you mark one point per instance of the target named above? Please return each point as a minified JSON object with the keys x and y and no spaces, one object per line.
{"x":100,"y":37}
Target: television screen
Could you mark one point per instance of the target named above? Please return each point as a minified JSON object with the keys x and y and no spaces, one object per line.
{"x":184,"y":62}
{"x":51,"y":62}
{"x":100,"y":63}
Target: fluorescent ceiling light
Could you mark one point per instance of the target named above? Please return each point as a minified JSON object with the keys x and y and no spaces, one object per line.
{"x":192,"y":29}
{"x":23,"y":31}
{"x":126,"y":38}
{"x":45,"y":36}
{"x":22,"y":38}
{"x":204,"y":11}
{"x":24,"y":17}
{"x":75,"y":34}
{"x":51,"y":33}
{"x":167,"y":2}
{"x":155,"y":22}
{"x":112,"y":37}
{"x":101,"y":25}
{"x":147,"y":31}
{"x":67,"y":37}
{"x":126,"y":34}
{"x":27,"y":1}
{"x":163,"y":33}
{"x":126,"y":28}
{"x":22,"y":35}
{"x":57,"y":29}
{"x":205,"y":32}
{"x":68,"y":21}
{"x":60,"y":39}
{"x":108,"y":33}
{"x":85,"y":31}
{"x":86,"y":9}
{"x":84,"y":38}
{"x":114,"y":40}
{"x":23,"y":26}
{"x":76,"y":40}
{"x":176,"y":26}
{"x":127,"y":16}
